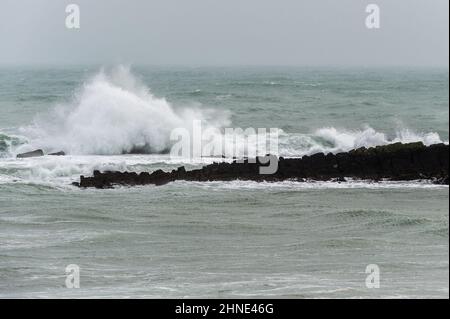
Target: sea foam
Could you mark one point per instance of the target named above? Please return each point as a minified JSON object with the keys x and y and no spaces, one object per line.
{"x":335,"y":140}
{"x":115,"y":113}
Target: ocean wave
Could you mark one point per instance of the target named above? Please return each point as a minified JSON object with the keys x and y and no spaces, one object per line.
{"x":114,"y":113}
{"x":334,"y":140}
{"x":325,"y":140}
{"x":8,"y":142}
{"x":60,"y":171}
{"x":292,"y":186}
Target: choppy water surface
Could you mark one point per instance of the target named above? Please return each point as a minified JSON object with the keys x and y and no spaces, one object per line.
{"x":227,"y":239}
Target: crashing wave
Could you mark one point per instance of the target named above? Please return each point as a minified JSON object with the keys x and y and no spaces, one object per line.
{"x":114,"y":113}
{"x":333,"y":140}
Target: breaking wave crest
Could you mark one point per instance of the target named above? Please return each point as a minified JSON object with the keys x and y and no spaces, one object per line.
{"x":333,"y":140}
{"x":114,"y":113}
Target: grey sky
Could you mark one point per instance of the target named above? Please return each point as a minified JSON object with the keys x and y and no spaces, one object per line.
{"x":222,"y":32}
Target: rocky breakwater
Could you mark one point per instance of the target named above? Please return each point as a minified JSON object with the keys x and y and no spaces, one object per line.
{"x":38,"y":153}
{"x":396,"y":162}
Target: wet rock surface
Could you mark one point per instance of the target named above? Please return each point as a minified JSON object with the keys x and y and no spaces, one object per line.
{"x":38,"y":153}
{"x":396,"y":162}
{"x":35,"y":153}
{"x":60,"y":153}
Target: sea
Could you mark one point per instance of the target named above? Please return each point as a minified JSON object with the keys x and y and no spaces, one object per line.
{"x":235,"y":239}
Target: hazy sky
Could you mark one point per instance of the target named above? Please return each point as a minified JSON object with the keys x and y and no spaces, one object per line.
{"x":224,"y":32}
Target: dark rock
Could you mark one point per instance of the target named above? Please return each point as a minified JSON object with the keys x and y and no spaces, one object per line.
{"x":61,"y":153}
{"x":35,"y":153}
{"x":340,"y":179}
{"x":392,"y":162}
{"x":442,"y":181}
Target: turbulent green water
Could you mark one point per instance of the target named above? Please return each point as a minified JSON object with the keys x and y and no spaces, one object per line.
{"x":233,"y":239}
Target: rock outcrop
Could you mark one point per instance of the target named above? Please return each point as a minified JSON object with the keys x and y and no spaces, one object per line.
{"x":413,"y":161}
{"x":60,"y":153}
{"x":35,"y":153}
